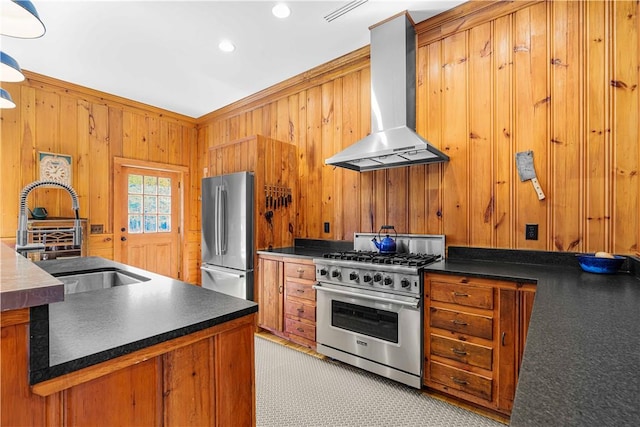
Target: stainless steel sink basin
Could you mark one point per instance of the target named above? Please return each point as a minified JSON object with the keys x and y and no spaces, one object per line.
{"x":92,"y":281}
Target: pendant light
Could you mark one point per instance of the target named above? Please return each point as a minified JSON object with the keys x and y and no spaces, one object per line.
{"x":9,"y":69}
{"x":19,"y":18}
{"x":5,"y":100}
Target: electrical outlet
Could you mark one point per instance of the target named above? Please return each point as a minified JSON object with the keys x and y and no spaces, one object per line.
{"x":326,"y":227}
{"x":97,"y":228}
{"x":531,"y":231}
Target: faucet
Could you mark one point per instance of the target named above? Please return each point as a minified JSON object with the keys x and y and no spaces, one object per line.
{"x":22,"y":241}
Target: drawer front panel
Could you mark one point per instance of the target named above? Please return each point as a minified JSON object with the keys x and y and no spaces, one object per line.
{"x":465,"y":352}
{"x":461,"y":380}
{"x":472,"y":324}
{"x":300,"y":290}
{"x":302,"y":329}
{"x":300,"y":310}
{"x":300,"y":271}
{"x":472,"y":296}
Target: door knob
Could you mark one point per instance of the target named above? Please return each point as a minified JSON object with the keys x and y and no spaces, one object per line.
{"x":123,"y":238}
{"x":123,"y":229}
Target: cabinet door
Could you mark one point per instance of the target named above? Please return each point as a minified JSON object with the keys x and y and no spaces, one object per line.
{"x":271,"y":295}
{"x":507,"y":349}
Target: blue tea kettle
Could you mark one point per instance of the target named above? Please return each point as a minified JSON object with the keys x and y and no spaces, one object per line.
{"x":386,"y":245}
{"x":38,"y":213}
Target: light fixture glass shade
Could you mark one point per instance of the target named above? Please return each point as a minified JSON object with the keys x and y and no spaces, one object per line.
{"x":281,"y":10}
{"x":19,"y":18}
{"x":5,"y":100}
{"x":9,"y":69}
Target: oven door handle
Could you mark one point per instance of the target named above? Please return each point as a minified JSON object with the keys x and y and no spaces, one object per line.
{"x":366,"y":296}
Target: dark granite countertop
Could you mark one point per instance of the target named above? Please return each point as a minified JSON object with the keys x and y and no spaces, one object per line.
{"x":91,"y":327}
{"x":580,"y":365}
{"x":309,"y":248}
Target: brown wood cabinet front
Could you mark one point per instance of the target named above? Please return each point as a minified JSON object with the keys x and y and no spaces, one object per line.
{"x":270,"y":294}
{"x":204,"y":379}
{"x":474,"y":337}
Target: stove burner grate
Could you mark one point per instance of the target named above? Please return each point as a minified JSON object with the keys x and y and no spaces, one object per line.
{"x":407,"y":259}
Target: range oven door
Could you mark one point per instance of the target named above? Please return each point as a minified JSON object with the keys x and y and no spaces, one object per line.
{"x":382,"y":328}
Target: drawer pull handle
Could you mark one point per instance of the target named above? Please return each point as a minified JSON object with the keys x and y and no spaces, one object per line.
{"x":300,"y":291}
{"x":504,"y":335}
{"x":300,"y":329}
{"x":460,"y":294}
{"x":459,"y":352}
{"x":300,"y":270}
{"x":301,"y":310}
{"x":459,"y":381}
{"x":459,"y":322}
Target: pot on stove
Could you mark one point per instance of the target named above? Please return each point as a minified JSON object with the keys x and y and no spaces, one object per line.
{"x":386,"y":245}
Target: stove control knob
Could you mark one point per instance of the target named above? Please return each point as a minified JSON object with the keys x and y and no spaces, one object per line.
{"x":353,"y":276}
{"x":377,"y":277}
{"x":388,"y":280}
{"x":323,"y":271}
{"x":335,"y":274}
{"x":405,"y":283}
{"x":366,"y":278}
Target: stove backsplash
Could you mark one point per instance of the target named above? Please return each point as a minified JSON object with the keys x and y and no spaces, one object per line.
{"x":433,"y":244}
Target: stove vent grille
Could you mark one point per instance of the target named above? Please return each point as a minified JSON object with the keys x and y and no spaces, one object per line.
{"x":342,"y":10}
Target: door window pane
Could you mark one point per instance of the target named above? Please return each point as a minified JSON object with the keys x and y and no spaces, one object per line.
{"x":149,"y":204}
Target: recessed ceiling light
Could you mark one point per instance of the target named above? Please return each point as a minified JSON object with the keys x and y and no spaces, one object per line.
{"x":281,"y":10}
{"x":226,"y":46}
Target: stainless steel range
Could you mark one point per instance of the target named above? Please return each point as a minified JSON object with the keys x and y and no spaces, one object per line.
{"x":369,"y":305}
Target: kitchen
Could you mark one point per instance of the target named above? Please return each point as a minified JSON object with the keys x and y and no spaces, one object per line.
{"x":493,"y":80}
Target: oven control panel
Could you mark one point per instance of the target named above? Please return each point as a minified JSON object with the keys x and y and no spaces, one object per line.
{"x":387,"y":281}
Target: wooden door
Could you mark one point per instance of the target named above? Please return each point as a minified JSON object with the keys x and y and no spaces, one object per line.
{"x":147,"y":219}
{"x":271,"y":295}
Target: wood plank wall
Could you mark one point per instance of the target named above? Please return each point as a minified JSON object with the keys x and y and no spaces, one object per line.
{"x":494,"y":78}
{"x":92,"y":127}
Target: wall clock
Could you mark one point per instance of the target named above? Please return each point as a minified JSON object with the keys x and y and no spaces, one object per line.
{"x":55,"y":167}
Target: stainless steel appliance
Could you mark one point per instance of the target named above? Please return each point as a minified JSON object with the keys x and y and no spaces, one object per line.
{"x":227,"y":234}
{"x":369,"y":305}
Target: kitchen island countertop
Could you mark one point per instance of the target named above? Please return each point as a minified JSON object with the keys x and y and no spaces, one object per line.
{"x":91,"y":327}
{"x":580,"y":364}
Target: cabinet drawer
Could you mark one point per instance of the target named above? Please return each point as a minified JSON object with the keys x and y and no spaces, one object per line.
{"x":472,"y":324}
{"x":297,"y":309}
{"x":461,"y":380}
{"x":302,"y":329}
{"x":465,"y":352}
{"x":301,"y":271}
{"x":300,"y":290}
{"x":469,"y":295}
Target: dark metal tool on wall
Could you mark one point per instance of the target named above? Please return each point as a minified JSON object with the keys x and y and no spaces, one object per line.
{"x":524,"y":162}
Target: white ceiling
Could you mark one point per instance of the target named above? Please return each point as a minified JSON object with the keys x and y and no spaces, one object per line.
{"x":165,"y":53}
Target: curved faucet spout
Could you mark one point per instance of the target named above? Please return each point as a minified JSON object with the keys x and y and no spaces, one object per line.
{"x":21,"y":235}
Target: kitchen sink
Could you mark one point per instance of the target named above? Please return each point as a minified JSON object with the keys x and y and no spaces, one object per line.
{"x":92,"y":281}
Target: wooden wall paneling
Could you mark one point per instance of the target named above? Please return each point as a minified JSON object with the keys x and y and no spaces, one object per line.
{"x":532,"y":98}
{"x":433,"y":133}
{"x":596,"y":155}
{"x":282,"y":119}
{"x":350,"y":200}
{"x":505,"y":172}
{"x":100,"y":166}
{"x":157,"y":147}
{"x":481,"y":136}
{"x":68,"y":144}
{"x":47,"y":118}
{"x":566,"y":139}
{"x":327,"y":149}
{"x":625,"y":143}
{"x":455,"y":138}
{"x":100,"y":245}
{"x":312,"y":211}
{"x":82,"y":162}
{"x":10,"y":149}
{"x":398,"y":202}
{"x":418,"y":174}
{"x":336,"y":124}
{"x":367,"y":222}
{"x":379,"y":199}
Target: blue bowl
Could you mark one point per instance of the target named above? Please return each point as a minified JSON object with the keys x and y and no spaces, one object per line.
{"x":593,"y":264}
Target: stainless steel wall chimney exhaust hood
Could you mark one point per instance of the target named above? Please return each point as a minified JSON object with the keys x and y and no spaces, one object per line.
{"x":393,"y":141}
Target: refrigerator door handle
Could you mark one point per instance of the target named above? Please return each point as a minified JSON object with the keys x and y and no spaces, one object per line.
{"x":217,"y":222}
{"x":223,"y":221}
{"x":225,"y":271}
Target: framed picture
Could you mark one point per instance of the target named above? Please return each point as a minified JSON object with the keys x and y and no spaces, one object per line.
{"x":55,"y":167}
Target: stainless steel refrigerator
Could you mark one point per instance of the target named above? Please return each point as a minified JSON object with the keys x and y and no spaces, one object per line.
{"x":227,"y":234}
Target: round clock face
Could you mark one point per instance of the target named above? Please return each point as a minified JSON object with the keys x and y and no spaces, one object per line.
{"x":54,"y":168}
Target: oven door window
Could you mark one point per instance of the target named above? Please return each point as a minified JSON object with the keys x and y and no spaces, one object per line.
{"x":365,"y":320}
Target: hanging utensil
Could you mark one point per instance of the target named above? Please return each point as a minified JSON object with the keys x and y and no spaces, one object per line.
{"x":524,"y":162}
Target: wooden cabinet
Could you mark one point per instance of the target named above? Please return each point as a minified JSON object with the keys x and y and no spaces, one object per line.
{"x":205,"y":378}
{"x":270,"y":294}
{"x":287,"y":298}
{"x":474,"y":337}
